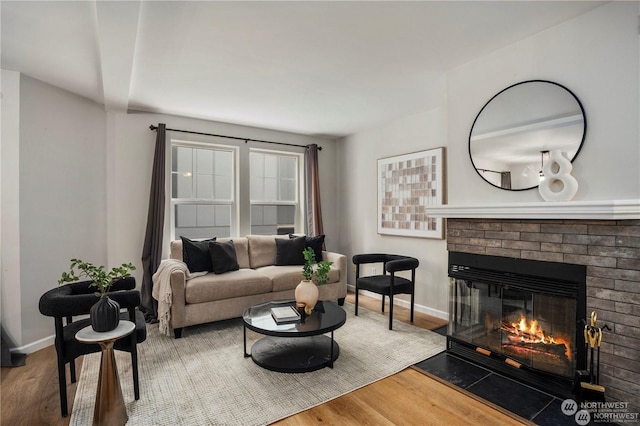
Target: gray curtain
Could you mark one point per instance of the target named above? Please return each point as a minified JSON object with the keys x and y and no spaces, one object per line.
{"x":312,"y":182}
{"x":152,"y":250}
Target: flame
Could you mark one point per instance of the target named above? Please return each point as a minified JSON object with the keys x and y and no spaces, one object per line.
{"x":525,"y":331}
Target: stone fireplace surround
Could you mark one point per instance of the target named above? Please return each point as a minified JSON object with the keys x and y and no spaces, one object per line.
{"x":610,"y":249}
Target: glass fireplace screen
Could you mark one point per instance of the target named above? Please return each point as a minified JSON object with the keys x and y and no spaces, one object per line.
{"x":535,"y":329}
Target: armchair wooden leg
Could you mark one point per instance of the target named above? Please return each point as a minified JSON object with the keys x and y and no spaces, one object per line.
{"x":134,"y":368}
{"x":383,"y":303}
{"x":62,"y":379}
{"x":72,"y":370}
{"x":178,"y":332}
{"x":412,"y":302}
{"x":341,"y":301}
{"x":356,"y":307}
{"x":390,"y":311}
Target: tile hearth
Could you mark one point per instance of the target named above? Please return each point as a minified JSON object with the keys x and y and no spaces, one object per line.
{"x":532,"y":404}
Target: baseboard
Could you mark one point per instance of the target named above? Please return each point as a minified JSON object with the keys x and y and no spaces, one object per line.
{"x":34,"y":346}
{"x":405,"y":303}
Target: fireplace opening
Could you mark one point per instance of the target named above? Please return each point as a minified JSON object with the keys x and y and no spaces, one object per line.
{"x":520,"y":317}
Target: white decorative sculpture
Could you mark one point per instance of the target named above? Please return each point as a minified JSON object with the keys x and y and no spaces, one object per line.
{"x":558,"y":184}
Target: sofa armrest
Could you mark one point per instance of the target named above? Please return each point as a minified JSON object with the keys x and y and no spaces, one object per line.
{"x":340,"y":263}
{"x":178,"y":301}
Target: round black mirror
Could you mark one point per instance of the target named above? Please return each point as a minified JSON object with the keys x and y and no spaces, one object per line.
{"x":515,"y":130}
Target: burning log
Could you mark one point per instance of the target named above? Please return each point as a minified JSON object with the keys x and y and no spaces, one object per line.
{"x":533,"y":342}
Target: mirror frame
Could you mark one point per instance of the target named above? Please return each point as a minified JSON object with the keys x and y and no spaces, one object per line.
{"x":584,"y":131}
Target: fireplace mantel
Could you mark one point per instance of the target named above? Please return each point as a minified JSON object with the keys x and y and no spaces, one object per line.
{"x":598,"y":210}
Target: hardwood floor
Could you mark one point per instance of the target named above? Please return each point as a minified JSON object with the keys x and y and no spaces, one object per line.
{"x":30,"y":394}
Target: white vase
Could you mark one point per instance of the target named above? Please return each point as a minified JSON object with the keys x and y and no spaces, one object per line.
{"x":307,"y":293}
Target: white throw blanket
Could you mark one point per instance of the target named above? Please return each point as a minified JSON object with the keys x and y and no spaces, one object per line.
{"x":162,"y":289}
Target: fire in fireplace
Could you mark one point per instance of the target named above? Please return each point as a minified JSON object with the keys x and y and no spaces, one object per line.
{"x":520,"y":316}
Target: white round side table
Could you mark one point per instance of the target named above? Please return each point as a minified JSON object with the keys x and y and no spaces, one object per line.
{"x":109,"y":407}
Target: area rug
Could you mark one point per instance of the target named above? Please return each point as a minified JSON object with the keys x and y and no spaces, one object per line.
{"x":203,"y":378}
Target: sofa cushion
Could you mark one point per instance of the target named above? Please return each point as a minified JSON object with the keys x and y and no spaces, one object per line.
{"x":290,"y":252}
{"x":210,"y":287}
{"x":316,"y":243}
{"x":288,"y":277}
{"x":196,"y":254}
{"x":223,"y":257}
{"x":241,"y":245}
{"x":262,"y":250}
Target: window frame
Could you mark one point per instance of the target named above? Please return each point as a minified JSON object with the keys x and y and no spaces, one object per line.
{"x":299,"y":193}
{"x":241,"y":203}
{"x":233,"y":202}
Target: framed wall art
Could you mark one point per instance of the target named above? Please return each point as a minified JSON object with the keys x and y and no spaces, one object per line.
{"x":407,"y":185}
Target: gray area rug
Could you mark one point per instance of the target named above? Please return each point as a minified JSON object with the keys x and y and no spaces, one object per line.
{"x":203,"y":378}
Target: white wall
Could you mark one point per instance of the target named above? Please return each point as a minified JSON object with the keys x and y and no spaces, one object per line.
{"x":75,"y":183}
{"x":61,"y":211}
{"x":594,"y":55}
{"x":10,"y":205}
{"x":358,"y":202}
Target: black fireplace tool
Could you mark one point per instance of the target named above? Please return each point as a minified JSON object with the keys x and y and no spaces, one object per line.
{"x":591,"y":390}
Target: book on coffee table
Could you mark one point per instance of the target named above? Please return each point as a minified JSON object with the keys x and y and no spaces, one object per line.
{"x":285,"y":314}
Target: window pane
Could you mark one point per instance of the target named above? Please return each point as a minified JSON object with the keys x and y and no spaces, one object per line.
{"x":185,"y":216}
{"x":185,"y":186}
{"x":202,"y":221}
{"x":204,"y":161}
{"x":287,"y":167}
{"x":287,"y":190}
{"x":270,"y":189}
{"x":184,"y":161}
{"x":204,"y":187}
{"x":257,"y":188}
{"x":271,"y":166}
{"x":205,"y":215}
{"x":223,"y":188}
{"x":272,"y":219}
{"x":223,"y":216}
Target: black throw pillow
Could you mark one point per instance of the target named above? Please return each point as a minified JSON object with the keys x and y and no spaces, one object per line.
{"x":223,"y":257}
{"x":196,"y":254}
{"x":315,"y":243}
{"x":289,"y":252}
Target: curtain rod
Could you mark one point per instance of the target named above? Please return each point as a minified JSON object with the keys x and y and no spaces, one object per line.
{"x":152,"y":127}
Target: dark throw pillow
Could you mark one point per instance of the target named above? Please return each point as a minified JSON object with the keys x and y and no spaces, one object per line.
{"x":223,"y":257}
{"x":315,"y":243}
{"x":289,"y":252}
{"x":196,"y":254}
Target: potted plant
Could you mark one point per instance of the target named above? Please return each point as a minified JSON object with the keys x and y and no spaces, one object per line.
{"x":313,"y":274}
{"x":105,"y":313}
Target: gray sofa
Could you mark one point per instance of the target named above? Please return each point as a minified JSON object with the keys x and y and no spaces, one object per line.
{"x":214,"y":297}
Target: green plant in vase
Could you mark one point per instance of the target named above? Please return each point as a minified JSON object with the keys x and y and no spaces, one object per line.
{"x":313,"y":274}
{"x":105,"y":313}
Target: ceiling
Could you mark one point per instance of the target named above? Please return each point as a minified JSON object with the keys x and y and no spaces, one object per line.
{"x":317,"y":68}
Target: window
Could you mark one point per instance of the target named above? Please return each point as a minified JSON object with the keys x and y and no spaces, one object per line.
{"x":202,"y":190}
{"x":275,"y":192}
{"x":233,"y":190}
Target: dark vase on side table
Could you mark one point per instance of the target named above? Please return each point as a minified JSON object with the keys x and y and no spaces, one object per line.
{"x":105,"y":314}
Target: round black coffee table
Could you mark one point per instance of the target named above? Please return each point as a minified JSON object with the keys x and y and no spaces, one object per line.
{"x":294,"y":347}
